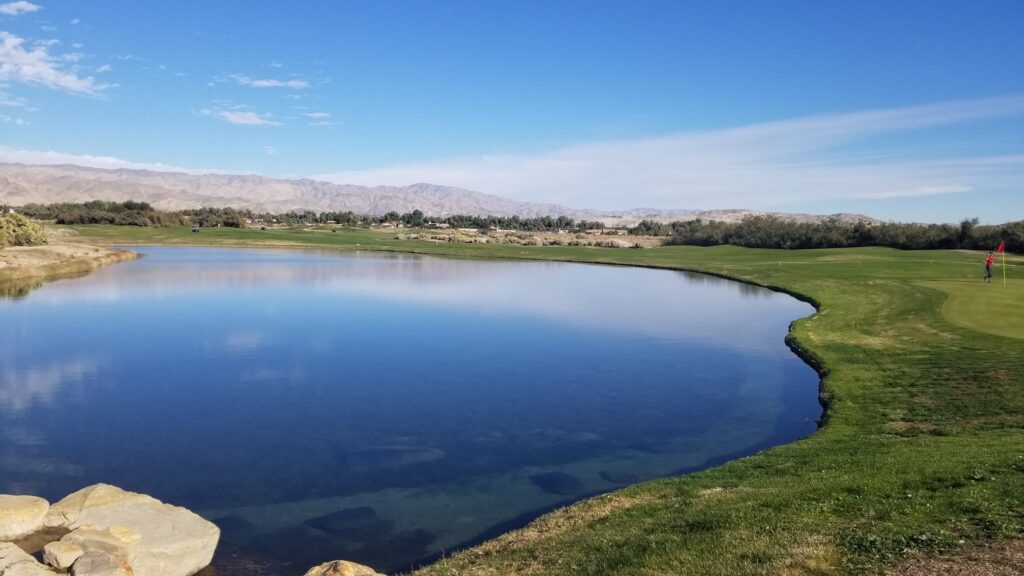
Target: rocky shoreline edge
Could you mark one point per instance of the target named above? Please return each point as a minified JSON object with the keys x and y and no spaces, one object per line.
{"x":102,"y":530}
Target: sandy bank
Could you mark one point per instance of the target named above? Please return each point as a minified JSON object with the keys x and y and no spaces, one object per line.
{"x":59,"y":258}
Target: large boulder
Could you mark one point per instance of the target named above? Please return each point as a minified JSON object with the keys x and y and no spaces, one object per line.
{"x":21,"y":516}
{"x":16,"y":562}
{"x":156,"y":539}
{"x":342,"y":568}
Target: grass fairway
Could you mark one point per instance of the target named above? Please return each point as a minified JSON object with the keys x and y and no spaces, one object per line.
{"x":922,"y":451}
{"x":993,"y":308}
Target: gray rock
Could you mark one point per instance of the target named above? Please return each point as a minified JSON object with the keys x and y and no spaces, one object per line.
{"x":345,"y":520}
{"x":102,"y":564}
{"x":620,"y":477}
{"x":558,"y":483}
{"x":20,"y":516}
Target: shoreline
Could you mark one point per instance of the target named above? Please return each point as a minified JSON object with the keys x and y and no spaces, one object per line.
{"x":899,"y":392}
{"x":56,"y":261}
{"x":76,"y":267}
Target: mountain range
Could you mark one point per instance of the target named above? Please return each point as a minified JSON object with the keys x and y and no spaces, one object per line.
{"x":22,"y":184}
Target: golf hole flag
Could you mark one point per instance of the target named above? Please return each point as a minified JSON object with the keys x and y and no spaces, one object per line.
{"x":1002,"y":248}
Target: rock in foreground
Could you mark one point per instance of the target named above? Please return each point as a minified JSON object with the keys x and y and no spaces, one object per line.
{"x":16,"y":562}
{"x":21,"y":516}
{"x":106,"y":531}
{"x":342,"y":568}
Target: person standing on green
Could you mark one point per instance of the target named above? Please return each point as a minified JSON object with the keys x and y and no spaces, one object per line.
{"x":989,"y":262}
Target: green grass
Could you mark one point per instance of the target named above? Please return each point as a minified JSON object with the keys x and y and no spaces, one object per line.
{"x":992,"y":308}
{"x":922,"y":451}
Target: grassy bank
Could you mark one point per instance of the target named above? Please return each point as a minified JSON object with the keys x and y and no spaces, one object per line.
{"x":921,"y":452}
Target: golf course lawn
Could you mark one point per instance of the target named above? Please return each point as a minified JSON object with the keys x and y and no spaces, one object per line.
{"x":999,"y":310}
{"x":921,"y":451}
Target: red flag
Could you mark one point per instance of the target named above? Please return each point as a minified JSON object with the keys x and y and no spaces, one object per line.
{"x":1002,"y":246}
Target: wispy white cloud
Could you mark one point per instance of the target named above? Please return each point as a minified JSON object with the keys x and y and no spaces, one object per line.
{"x":241,"y":117}
{"x":269,"y":82}
{"x":319,"y":118}
{"x":22,"y":156}
{"x":271,"y":150}
{"x":38,"y":67}
{"x":778,"y":162}
{"x":19,"y":7}
{"x":12,"y":120}
{"x":8,"y":101}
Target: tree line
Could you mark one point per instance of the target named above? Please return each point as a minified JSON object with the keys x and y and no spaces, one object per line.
{"x":765,"y":231}
{"x":132,"y":213}
{"x":755,"y":231}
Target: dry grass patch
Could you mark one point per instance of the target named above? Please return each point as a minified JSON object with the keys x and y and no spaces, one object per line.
{"x":813,"y":557}
{"x":905,"y":427}
{"x":997,"y":559}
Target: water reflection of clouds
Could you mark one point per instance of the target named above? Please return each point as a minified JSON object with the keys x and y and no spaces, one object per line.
{"x":20,"y":389}
{"x":655,"y":303}
{"x":244,"y":340}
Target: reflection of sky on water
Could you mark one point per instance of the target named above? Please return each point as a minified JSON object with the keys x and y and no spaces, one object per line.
{"x":655,"y":303}
{"x":21,"y":388}
{"x":277,"y":382}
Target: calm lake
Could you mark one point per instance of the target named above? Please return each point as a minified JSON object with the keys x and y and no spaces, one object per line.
{"x":385,"y":408}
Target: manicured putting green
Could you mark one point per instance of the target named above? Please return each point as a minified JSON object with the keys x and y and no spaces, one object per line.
{"x":990,"y":308}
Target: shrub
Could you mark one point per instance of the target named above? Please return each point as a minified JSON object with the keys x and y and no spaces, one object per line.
{"x":16,"y":230}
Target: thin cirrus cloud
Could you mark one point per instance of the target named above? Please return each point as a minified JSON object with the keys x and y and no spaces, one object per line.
{"x":20,"y":7}
{"x":319,"y":118}
{"x":760,"y":164}
{"x":241,"y":117}
{"x":37,"y":66}
{"x":269,"y":82}
{"x":22,"y":156}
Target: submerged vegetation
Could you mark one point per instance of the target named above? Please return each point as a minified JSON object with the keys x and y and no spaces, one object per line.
{"x":918,"y":455}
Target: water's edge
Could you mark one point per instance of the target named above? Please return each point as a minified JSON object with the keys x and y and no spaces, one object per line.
{"x":75,"y":268}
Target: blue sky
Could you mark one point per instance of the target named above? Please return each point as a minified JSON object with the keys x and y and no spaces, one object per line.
{"x":902,"y":110}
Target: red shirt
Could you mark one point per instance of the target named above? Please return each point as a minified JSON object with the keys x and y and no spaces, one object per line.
{"x":988,"y":261}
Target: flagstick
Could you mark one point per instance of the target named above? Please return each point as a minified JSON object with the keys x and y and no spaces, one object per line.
{"x":1004,"y":266}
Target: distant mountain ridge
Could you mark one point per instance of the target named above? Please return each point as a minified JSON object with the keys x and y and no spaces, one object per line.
{"x":46,"y":183}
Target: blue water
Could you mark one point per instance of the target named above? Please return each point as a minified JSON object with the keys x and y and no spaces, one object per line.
{"x":381,"y":408}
